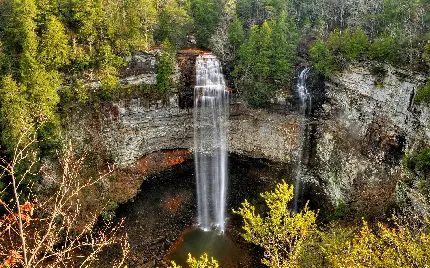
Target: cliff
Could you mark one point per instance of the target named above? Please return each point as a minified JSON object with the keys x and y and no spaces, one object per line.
{"x":365,"y":121}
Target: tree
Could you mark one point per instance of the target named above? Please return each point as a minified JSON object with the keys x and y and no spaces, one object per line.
{"x":357,"y":45}
{"x":88,"y":14}
{"x":15,"y":117}
{"x":254,"y":67}
{"x":423,"y":94}
{"x":281,"y":233}
{"x":381,"y":247}
{"x":322,"y":59}
{"x":141,"y":22}
{"x":165,"y":67}
{"x":54,"y":47}
{"x":206,"y":15}
{"x":285,"y":40}
{"x":174,"y":22}
{"x":236,"y":34}
{"x":47,"y":231}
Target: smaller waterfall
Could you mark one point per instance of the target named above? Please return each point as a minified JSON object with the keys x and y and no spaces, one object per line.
{"x":210,"y":142}
{"x":305,"y":106}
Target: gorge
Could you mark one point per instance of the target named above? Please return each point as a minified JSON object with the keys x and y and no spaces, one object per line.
{"x":261,"y":133}
{"x":343,"y":143}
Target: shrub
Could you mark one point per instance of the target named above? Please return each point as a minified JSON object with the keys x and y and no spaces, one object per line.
{"x":357,"y":45}
{"x":166,"y":64}
{"x":322,"y":58}
{"x":281,"y":233}
{"x":382,"y":247}
{"x":202,"y":262}
{"x":423,"y":94}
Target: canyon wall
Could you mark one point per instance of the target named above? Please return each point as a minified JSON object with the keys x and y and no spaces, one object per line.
{"x":367,"y":122}
{"x":359,"y":131}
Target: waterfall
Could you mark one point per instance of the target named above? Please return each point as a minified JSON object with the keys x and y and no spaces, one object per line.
{"x":305,"y":106}
{"x":211,"y":101}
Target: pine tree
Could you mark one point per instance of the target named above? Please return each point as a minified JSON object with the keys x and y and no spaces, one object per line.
{"x":285,"y":40}
{"x":206,"y":15}
{"x":54,"y":47}
{"x":15,"y":116}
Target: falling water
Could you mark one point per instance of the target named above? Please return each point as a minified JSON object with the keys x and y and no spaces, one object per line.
{"x":210,"y":142}
{"x":305,"y":106}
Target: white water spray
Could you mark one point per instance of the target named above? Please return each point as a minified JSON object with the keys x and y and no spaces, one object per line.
{"x":211,"y":101}
{"x":305,"y":106}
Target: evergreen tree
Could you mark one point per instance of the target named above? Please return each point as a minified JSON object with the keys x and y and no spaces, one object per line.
{"x":54,"y":47}
{"x":322,"y":59}
{"x":141,"y":22}
{"x":236,"y":34}
{"x":357,"y":45}
{"x":206,"y":15}
{"x":15,"y":116}
{"x":285,"y":40}
{"x":165,"y":67}
{"x":174,"y":22}
{"x":89,"y":15}
{"x":254,"y":69}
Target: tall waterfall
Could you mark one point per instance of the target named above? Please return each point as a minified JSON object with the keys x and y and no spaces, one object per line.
{"x":305,"y":106}
{"x":211,"y":101}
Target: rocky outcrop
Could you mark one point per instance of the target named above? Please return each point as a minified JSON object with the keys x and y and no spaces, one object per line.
{"x":132,"y":129}
{"x":362,"y":122}
{"x":367,"y":123}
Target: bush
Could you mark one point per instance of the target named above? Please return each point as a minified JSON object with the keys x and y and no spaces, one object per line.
{"x":322,"y":59}
{"x":202,"y":262}
{"x":165,"y":67}
{"x":387,"y":48}
{"x":356,"y":45}
{"x":382,"y":247}
{"x":423,"y":94}
{"x":281,"y":233}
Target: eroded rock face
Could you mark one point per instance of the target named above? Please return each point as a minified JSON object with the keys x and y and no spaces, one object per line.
{"x":366,"y":125}
{"x":362,"y":126}
{"x":132,"y":129}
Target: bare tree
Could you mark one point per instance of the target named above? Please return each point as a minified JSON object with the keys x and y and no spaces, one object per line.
{"x":46,"y":233}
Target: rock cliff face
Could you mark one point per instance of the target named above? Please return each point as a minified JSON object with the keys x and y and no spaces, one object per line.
{"x":367,"y":122}
{"x":359,"y":132}
{"x":132,"y":129}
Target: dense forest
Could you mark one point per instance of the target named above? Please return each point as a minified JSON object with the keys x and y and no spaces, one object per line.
{"x":50,"y":52}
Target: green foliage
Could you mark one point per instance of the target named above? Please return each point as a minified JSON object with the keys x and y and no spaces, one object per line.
{"x":266,"y":59}
{"x":54,"y":48}
{"x":426,"y":53}
{"x":357,"y":45}
{"x":285,"y":40}
{"x":110,"y":82}
{"x":387,"y":48}
{"x":206,"y":15}
{"x":165,"y":67}
{"x":109,"y":212}
{"x":340,"y":211}
{"x":141,"y":21}
{"x":322,"y":58}
{"x":293,"y":240}
{"x":423,"y":94}
{"x":202,"y":262}
{"x":81,"y":92}
{"x":383,"y":247}
{"x":281,"y":233}
{"x":14,"y":112}
{"x":174,"y":22}
{"x":236,"y":34}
